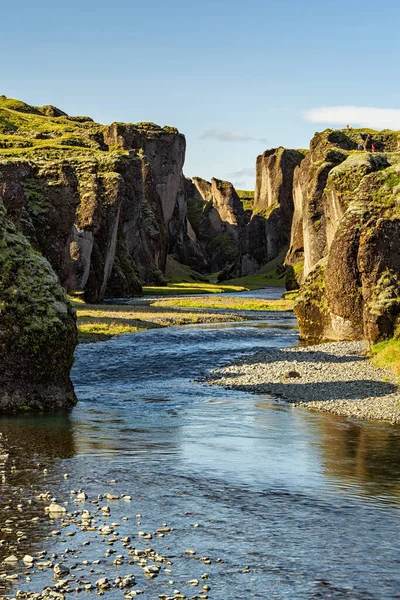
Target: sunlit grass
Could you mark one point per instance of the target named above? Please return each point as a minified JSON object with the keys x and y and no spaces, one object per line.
{"x":226,"y":303}
{"x":387,"y":354}
{"x":98,"y":322}
{"x":185,"y":288}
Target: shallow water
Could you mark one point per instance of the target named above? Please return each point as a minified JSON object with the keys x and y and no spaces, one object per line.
{"x":308,"y":502}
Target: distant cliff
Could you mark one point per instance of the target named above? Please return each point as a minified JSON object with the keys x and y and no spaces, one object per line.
{"x":242,"y":235}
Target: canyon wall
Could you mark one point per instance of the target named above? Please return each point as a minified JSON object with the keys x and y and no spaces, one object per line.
{"x":345,"y":233}
{"x":104,"y":204}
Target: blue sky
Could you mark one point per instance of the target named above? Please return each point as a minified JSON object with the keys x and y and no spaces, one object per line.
{"x":234,"y":76}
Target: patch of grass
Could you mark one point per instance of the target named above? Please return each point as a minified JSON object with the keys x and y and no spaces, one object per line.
{"x":247,"y":198}
{"x":98,"y":322}
{"x":387,"y":354}
{"x":185,"y":288}
{"x":260,"y":280}
{"x":226,"y":303}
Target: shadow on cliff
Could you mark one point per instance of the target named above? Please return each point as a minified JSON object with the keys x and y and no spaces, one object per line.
{"x":355,"y":389}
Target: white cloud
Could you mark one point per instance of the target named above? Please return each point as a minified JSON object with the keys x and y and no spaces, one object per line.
{"x":231,"y":136}
{"x":365,"y":116}
{"x":246,"y":172}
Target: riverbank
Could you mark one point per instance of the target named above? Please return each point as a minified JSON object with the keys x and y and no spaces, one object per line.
{"x":98,"y":322}
{"x":335,"y":377}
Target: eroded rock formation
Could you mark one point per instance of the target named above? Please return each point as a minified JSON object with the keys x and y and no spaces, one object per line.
{"x":345,"y":228}
{"x":96,"y":201}
{"x":37,"y":328}
{"x":218,"y":220}
{"x":269,"y":229}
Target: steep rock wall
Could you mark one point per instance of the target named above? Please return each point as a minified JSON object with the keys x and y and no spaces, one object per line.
{"x":96,"y":201}
{"x":218,"y":220}
{"x":270,"y":225}
{"x":37,"y":328}
{"x":351,"y":259}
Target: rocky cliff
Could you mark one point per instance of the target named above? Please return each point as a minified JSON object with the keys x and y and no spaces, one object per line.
{"x":345,"y":231}
{"x":269,"y":229}
{"x":241,"y":235}
{"x":37,"y":328}
{"x":104,"y":204}
{"x":218,"y":219}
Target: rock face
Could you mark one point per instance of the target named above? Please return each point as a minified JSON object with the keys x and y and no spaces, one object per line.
{"x":37,"y":328}
{"x":218,"y":220}
{"x":345,"y":228}
{"x":164,"y":149}
{"x":238,"y":239}
{"x":270,"y":225}
{"x":96,"y":201}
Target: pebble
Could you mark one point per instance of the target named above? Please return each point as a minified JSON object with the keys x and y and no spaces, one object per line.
{"x":335,"y":377}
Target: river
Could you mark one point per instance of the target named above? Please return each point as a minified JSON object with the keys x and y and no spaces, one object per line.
{"x":288,"y":504}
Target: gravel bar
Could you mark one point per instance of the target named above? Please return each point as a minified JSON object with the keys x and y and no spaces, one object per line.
{"x":334,"y":377}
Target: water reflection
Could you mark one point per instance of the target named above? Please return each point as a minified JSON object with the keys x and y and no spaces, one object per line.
{"x":291,"y":493}
{"x":362,"y":454}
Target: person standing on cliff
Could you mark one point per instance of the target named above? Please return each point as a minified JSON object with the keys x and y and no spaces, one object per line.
{"x":372,"y":148}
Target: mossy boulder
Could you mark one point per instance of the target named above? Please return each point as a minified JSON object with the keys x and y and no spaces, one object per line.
{"x":37,"y":328}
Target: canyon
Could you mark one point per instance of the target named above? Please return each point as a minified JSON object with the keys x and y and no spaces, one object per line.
{"x":97,"y":209}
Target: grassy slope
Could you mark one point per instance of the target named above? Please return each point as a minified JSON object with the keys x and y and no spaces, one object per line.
{"x":266,"y":276}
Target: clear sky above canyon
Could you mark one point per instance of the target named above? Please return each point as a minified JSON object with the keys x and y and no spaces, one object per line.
{"x":236,"y":77}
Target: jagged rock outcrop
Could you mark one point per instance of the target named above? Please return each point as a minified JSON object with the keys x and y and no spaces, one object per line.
{"x":37,"y":328}
{"x":96,"y":201}
{"x":165,"y":149}
{"x":346,"y":225}
{"x":270,"y":225}
{"x":218,"y":219}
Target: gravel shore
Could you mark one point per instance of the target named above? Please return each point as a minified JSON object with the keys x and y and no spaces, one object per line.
{"x":334,"y":377}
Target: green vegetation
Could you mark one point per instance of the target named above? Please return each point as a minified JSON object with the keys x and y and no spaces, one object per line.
{"x":247,"y":198}
{"x":30,"y":131}
{"x":100,"y":322}
{"x":177,"y":273}
{"x":271,"y":274}
{"x":196,"y":210}
{"x":226,"y":303}
{"x":387,"y":354}
{"x":174,"y":289}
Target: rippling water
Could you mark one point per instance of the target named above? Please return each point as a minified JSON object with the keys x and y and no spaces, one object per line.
{"x":308,"y":502}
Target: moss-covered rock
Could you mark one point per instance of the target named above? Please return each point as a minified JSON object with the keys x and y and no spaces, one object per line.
{"x":37,"y":328}
{"x":348,"y":214}
{"x":75,"y":188}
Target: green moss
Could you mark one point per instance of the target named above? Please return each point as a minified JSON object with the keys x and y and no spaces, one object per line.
{"x":223,"y":244}
{"x":386,"y":294}
{"x":310,"y":306}
{"x":195,"y":211}
{"x":247,"y":199}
